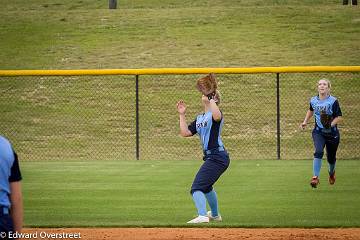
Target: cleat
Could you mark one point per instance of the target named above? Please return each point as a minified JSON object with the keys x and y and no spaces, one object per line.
{"x":200,"y":219}
{"x":215,"y":219}
{"x":314,"y":182}
{"x":332,"y":178}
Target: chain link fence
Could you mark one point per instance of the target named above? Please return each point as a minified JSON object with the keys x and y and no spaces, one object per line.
{"x":67,"y":118}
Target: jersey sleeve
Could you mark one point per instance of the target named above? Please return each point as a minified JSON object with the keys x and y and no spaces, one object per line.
{"x":15,"y":174}
{"x":336,"y":109}
{"x":192,"y":127}
{"x":311,"y":108}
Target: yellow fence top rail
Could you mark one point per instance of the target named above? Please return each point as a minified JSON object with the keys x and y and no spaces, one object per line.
{"x":157,"y":71}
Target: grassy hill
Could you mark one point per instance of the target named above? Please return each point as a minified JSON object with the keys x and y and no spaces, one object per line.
{"x":85,"y":34}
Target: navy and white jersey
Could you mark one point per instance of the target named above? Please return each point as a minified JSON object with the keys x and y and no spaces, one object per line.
{"x":9,"y":170}
{"x":208,"y":129}
{"x":330,"y":105}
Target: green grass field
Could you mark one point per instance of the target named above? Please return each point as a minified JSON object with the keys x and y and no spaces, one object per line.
{"x":75,"y":135}
{"x":156,"y":193}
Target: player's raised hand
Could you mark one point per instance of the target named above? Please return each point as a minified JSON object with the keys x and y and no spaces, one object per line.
{"x":181,"y":107}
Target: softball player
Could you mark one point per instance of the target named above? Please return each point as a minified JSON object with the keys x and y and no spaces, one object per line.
{"x":326,"y":110}
{"x":11,"y":210}
{"x":216,"y":159}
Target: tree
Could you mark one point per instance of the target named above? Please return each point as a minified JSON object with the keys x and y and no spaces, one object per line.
{"x":346,"y":2}
{"x":112,"y":4}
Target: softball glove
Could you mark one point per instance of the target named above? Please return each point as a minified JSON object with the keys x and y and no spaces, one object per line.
{"x":325,"y":119}
{"x":207,"y":85}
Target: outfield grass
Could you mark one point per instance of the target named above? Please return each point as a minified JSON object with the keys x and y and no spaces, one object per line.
{"x":156,"y":193}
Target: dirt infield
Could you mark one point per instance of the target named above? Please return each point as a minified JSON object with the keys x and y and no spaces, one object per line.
{"x":196,"y":233}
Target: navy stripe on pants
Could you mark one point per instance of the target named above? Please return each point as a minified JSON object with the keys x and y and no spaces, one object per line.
{"x":213,"y":167}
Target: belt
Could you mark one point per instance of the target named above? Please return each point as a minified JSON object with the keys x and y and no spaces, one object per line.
{"x":326,"y":130}
{"x":4,"y":211}
{"x":214,"y":150}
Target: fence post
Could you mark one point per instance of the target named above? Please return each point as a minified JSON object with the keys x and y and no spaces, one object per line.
{"x":278,"y":114}
{"x":137,"y":115}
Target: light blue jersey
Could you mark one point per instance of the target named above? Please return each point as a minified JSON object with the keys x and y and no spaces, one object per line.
{"x":209,"y":130}
{"x":329,"y":105}
{"x":9,"y":170}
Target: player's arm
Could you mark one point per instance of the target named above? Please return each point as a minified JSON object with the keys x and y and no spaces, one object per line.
{"x":336,"y":120}
{"x":16,"y":195}
{"x":184,"y":130}
{"x":16,"y":205}
{"x":308,"y":115}
{"x":216,"y":114}
{"x":337,"y":114}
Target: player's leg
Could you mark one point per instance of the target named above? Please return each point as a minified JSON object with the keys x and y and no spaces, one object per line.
{"x":332,"y":144}
{"x":211,"y":198}
{"x":220,"y":163}
{"x":319,"y":144}
{"x":200,"y":202}
{"x":197,"y":193}
{"x":207,"y":175}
